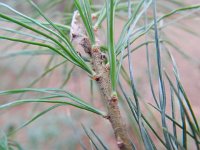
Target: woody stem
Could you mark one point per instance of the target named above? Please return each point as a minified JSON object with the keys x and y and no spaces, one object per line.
{"x":114,"y":115}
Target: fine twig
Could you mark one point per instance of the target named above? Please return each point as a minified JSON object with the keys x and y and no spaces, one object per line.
{"x":102,"y":70}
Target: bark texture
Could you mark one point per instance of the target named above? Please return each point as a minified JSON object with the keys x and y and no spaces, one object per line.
{"x":79,"y":36}
{"x":104,"y":83}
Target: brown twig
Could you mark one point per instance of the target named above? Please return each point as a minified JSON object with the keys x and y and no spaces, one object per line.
{"x":104,"y":83}
{"x":102,"y":78}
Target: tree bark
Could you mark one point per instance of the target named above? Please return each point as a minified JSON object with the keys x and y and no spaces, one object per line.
{"x":104,"y":83}
{"x":79,"y":36}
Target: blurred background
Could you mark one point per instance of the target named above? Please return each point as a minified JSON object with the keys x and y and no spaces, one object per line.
{"x":24,"y":65}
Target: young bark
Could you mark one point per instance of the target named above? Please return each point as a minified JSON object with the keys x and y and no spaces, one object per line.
{"x":79,"y":36}
{"x":114,"y":115}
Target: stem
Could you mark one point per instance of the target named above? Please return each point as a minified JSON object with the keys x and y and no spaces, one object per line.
{"x":114,"y":115}
{"x":103,"y":80}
